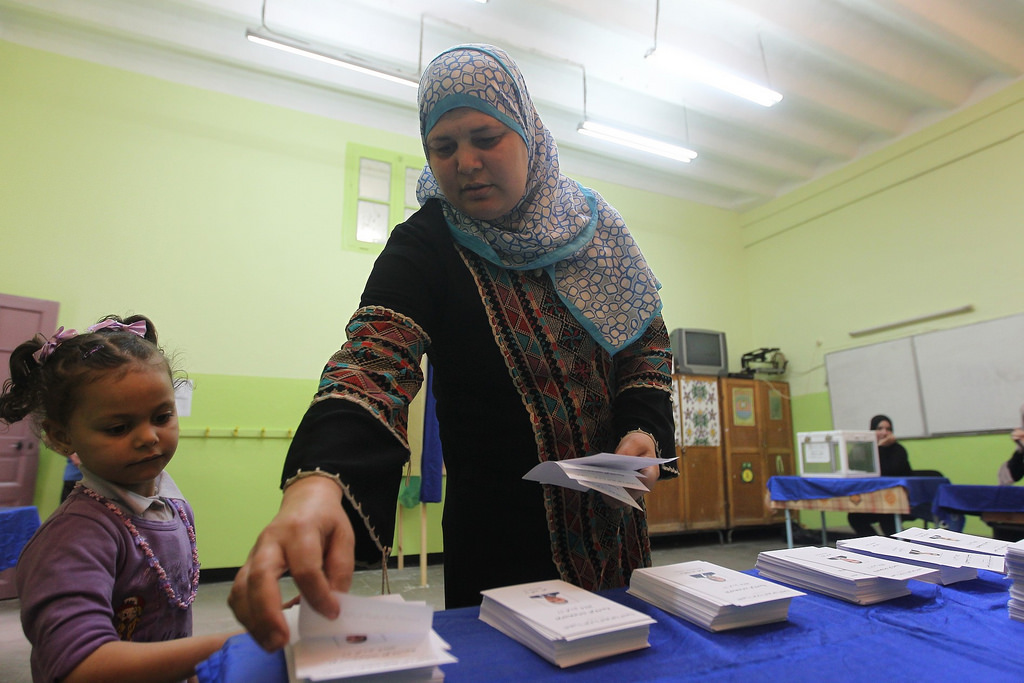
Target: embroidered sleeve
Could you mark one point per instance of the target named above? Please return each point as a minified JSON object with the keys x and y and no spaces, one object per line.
{"x":378,"y":367}
{"x":643,"y":400}
{"x":647,"y":362}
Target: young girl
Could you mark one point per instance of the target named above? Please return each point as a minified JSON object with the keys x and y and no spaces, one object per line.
{"x":107,"y":583}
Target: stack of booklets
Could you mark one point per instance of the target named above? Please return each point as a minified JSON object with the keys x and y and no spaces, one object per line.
{"x":381,"y":638}
{"x":951,"y":565}
{"x":712,"y":597}
{"x":986,"y":553}
{"x":563,"y":623}
{"x":1015,"y":570}
{"x":841,"y":574}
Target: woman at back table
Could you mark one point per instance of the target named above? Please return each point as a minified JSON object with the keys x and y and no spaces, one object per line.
{"x":1013,"y":469}
{"x":893,"y":461}
{"x":542,"y":321}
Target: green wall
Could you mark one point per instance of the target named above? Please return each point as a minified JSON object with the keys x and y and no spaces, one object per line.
{"x":930,"y":224}
{"x":220,"y":218}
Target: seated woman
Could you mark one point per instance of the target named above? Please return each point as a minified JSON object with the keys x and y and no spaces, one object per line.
{"x":893,"y":462}
{"x":1013,"y":469}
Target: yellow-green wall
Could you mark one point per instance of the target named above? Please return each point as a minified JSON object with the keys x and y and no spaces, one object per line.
{"x":220,"y":218}
{"x":930,"y":224}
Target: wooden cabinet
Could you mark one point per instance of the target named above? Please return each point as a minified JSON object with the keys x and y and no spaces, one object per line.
{"x":731,"y":436}
{"x":695,"y":500}
{"x":758,"y":443}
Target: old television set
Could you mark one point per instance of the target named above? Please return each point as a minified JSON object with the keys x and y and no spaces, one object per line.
{"x":699,"y":352}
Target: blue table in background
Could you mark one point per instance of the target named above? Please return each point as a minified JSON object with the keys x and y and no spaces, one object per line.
{"x":911,"y":496}
{"x":938,"y":633}
{"x":994,"y":504}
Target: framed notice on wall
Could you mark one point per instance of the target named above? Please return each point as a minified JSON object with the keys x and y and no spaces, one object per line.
{"x":743,"y":407}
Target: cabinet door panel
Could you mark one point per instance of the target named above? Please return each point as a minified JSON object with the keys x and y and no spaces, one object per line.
{"x":747,"y":483}
{"x":665,"y":507}
{"x":704,"y":487}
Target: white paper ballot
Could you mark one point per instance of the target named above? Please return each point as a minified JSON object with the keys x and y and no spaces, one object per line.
{"x":953,"y":540}
{"x":607,"y":473}
{"x":372,"y":636}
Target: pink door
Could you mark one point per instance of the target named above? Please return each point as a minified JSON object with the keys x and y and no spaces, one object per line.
{"x":20,"y":318}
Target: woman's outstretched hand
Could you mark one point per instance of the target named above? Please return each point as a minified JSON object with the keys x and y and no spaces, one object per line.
{"x":310,"y":537}
{"x":640,"y":445}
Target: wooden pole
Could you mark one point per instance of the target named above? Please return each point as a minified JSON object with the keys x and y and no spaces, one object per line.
{"x":401,"y":555}
{"x":423,"y":545}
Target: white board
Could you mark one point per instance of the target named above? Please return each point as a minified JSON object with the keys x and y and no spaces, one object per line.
{"x":972,"y":377}
{"x":873,"y":379}
{"x":961,"y":380}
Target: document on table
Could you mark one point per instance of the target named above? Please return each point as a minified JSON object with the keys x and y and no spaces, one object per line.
{"x":921,"y":554}
{"x":953,"y":540}
{"x":608,"y":473}
{"x":372,"y":636}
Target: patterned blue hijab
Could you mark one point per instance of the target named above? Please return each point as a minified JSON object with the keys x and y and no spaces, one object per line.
{"x":559,"y":226}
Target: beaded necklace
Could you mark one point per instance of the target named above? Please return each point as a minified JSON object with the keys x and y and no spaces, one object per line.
{"x":151,"y":558}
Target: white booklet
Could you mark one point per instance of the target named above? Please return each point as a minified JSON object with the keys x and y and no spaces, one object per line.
{"x":713,"y":597}
{"x":954,"y":540}
{"x":378,"y":636}
{"x":952,"y":565}
{"x":564,"y":623}
{"x":607,"y":473}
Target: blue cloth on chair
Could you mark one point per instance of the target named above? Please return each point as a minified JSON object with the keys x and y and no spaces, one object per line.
{"x":16,"y":527}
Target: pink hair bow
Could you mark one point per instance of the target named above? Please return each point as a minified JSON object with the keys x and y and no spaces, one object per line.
{"x":61,"y":335}
{"x":137,"y":328}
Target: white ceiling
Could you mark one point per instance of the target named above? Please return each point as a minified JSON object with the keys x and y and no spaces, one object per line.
{"x":856,"y":75}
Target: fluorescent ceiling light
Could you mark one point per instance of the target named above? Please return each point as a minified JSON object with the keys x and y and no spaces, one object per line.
{"x":704,"y":72}
{"x":352,"y":63}
{"x":644,"y":144}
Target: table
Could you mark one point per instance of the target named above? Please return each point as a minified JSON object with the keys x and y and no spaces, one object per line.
{"x":17,"y":524}
{"x":938,"y":633}
{"x":994,"y":504}
{"x":879,"y":495}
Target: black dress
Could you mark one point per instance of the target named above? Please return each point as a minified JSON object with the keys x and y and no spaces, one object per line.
{"x":893,"y":461}
{"x":516,"y":381}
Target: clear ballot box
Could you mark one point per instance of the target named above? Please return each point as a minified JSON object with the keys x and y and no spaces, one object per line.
{"x":838,"y":454}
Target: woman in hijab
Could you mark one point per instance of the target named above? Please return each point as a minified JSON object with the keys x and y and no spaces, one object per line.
{"x":893,"y":462}
{"x":542,"y":322}
{"x":1013,"y":469}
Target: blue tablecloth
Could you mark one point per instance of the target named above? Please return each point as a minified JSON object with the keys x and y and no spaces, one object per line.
{"x":977,"y":499}
{"x":16,"y":526}
{"x":939,"y":633}
{"x":920,"y":490}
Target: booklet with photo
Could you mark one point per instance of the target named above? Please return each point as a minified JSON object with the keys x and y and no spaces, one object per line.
{"x":713,"y":597}
{"x":374,"y":638}
{"x":841,"y":573}
{"x":563,"y":623}
{"x":607,"y":473}
{"x":952,"y":565}
{"x":954,"y":540}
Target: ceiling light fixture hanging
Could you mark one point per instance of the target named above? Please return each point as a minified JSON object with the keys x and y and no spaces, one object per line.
{"x":627,"y":139}
{"x":701,"y":71}
{"x":349,"y":62}
{"x":269,"y":38}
